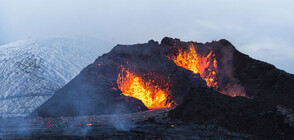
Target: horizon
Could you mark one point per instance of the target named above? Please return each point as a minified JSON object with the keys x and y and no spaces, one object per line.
{"x":265,"y":34}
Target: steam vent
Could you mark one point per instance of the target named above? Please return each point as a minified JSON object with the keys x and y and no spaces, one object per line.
{"x":132,"y":78}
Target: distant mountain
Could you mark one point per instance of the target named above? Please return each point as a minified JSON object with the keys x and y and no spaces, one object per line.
{"x":32,"y":70}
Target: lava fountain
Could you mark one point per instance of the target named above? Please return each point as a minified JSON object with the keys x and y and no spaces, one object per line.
{"x":206,"y":66}
{"x":152,"y":93}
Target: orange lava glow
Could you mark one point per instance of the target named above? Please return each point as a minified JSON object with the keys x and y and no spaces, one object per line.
{"x":146,"y":91}
{"x":206,"y":66}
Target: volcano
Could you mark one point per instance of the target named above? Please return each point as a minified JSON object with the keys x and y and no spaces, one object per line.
{"x":132,"y":78}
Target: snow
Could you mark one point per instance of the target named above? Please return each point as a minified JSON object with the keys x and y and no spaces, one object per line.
{"x":32,"y":70}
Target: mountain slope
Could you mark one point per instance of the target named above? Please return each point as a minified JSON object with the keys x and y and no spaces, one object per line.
{"x":95,"y":89}
{"x":31,"y":71}
{"x":141,"y":69}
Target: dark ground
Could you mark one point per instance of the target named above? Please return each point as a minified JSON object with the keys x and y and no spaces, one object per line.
{"x":267,"y":117}
{"x":152,"y":124}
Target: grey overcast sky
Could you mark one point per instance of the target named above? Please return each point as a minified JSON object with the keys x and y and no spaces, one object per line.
{"x":264,"y":29}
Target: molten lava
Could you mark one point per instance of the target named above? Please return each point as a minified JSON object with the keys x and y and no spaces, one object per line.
{"x":206,"y":66}
{"x":145,"y":90}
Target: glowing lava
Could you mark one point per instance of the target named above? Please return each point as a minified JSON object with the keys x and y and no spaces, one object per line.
{"x":146,"y":91}
{"x":206,"y":66}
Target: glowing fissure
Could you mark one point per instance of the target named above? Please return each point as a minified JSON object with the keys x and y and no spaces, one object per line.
{"x":206,"y":66}
{"x":146,"y":91}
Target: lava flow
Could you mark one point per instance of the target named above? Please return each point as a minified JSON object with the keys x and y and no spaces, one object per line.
{"x":148,"y":91}
{"x":206,"y":66}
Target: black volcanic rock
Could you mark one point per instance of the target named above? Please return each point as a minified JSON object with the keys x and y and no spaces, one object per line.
{"x":254,"y":77}
{"x":95,"y":89}
{"x":86,"y":95}
{"x":262,"y":79}
{"x":262,"y":116}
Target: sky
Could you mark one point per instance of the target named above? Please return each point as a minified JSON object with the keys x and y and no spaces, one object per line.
{"x":263,"y":29}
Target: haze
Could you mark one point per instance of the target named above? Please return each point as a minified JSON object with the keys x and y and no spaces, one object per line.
{"x":263,"y":29}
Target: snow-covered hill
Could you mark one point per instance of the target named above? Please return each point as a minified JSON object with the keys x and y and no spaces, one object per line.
{"x":31,"y":71}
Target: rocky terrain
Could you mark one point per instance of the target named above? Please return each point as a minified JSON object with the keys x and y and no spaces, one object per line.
{"x":270,"y":118}
{"x":152,"y":124}
{"x":95,"y":90}
{"x":230,"y":72}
